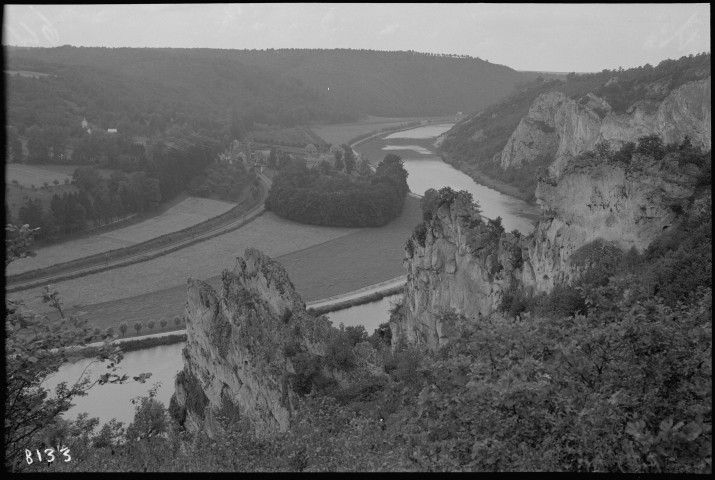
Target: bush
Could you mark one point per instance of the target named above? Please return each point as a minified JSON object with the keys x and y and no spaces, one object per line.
{"x":420,"y":234}
{"x":339,"y":353}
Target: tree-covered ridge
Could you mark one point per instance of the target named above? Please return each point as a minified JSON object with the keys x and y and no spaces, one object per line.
{"x":205,"y":86}
{"x":320,"y":196}
{"x":472,"y":144}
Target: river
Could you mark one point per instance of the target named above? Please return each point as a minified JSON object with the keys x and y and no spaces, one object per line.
{"x":425,"y":170}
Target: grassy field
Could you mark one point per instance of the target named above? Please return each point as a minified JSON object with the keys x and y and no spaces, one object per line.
{"x":366,"y":257}
{"x":189,"y":212}
{"x":341,"y":133}
{"x":270,"y":233}
{"x":316,"y":259}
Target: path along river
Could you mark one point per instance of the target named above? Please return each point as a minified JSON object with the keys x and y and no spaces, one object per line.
{"x":425,"y":170}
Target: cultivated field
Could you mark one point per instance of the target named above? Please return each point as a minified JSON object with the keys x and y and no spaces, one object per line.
{"x":316,"y":258}
{"x":341,"y":133}
{"x":191,"y":211}
{"x":368,"y":256}
{"x":270,"y":233}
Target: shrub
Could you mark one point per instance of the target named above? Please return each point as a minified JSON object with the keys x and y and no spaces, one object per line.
{"x":339,"y":352}
{"x":420,"y":234}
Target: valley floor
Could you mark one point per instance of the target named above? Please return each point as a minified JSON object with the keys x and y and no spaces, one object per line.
{"x":321,"y":261}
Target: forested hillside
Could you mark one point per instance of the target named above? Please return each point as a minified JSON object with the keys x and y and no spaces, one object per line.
{"x":475,"y":144}
{"x":145,"y":90}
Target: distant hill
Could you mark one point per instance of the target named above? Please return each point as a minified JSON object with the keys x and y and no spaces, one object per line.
{"x":475,"y":144}
{"x":149,"y":89}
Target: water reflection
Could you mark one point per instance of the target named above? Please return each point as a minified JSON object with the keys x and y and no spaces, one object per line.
{"x":115,"y":401}
{"x":427,"y":170}
{"x":370,"y":315}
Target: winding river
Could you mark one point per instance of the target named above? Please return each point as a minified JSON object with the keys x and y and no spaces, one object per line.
{"x":425,"y":170}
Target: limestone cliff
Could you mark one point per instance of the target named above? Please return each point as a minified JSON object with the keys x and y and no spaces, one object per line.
{"x":559,"y":128}
{"x":458,"y":262}
{"x":622,"y":205}
{"x":236,"y":351}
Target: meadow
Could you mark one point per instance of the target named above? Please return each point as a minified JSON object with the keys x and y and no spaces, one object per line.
{"x":187,"y":213}
{"x":317,"y":260}
{"x":338,"y":134}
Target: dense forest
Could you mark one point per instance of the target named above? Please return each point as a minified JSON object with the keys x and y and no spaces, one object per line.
{"x":472,"y":144}
{"x":323,"y":196}
{"x":612,"y":373}
{"x":282,"y":87}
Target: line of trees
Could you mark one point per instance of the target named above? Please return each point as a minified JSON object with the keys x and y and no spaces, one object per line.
{"x":98,"y":201}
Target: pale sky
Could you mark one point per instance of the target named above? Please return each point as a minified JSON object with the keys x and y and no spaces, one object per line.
{"x":553,"y":37}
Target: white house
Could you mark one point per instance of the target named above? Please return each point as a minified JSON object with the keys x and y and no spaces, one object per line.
{"x":111,"y":130}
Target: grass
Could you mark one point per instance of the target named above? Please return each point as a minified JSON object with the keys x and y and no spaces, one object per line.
{"x":373,"y":297}
{"x":191,"y":211}
{"x":316,"y":258}
{"x":366,"y":257}
{"x":272,"y":234}
{"x":342,"y":133}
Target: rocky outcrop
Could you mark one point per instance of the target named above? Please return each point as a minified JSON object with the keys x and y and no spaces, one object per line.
{"x":461,"y":263}
{"x":561,"y":128}
{"x":624,"y":206}
{"x":238,"y":340}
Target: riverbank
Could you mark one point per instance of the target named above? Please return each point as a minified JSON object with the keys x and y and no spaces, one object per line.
{"x":369,"y":294}
{"x":488,"y":181}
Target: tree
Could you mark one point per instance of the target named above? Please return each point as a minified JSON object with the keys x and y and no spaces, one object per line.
{"x":349,"y":160}
{"x":36,"y":347}
{"x":151,"y":325}
{"x":363,"y":167}
{"x":339,"y":165}
{"x":123,"y":327}
{"x":17,"y":242}
{"x":138,"y":326}
{"x":150,"y":417}
{"x":14,"y":146}
{"x":163,"y":323}
{"x":110,"y":331}
{"x":177,"y":321}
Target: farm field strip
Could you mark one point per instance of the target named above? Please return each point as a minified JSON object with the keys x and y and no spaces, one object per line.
{"x":273,"y":235}
{"x":317,"y":260}
{"x":188,"y":213}
{"x":338,"y":134}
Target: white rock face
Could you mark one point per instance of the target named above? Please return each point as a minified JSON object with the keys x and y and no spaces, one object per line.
{"x":235,"y":345}
{"x":623,"y":206}
{"x":462,"y":266}
{"x":562,"y":128}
